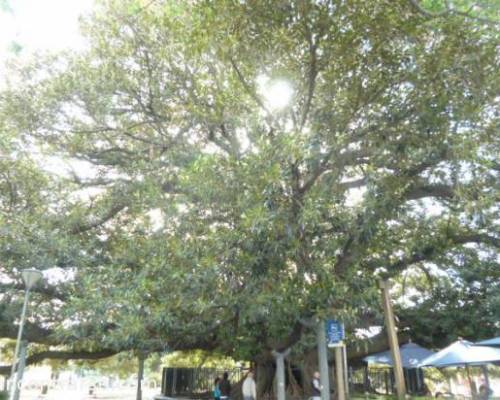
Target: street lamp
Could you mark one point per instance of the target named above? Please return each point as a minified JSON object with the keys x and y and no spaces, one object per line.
{"x":30,"y":277}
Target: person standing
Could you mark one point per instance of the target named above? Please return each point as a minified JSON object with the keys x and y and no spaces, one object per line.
{"x":225,"y":387}
{"x":316,"y":387}
{"x":216,"y":391}
{"x":249,"y":389}
{"x":484,"y":391}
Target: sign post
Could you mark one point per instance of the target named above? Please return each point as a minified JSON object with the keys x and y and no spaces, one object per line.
{"x":335,"y":335}
{"x":323,"y":361}
{"x":339,"y":369}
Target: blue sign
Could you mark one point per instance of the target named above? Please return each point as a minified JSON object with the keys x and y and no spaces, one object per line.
{"x":334,"y":332}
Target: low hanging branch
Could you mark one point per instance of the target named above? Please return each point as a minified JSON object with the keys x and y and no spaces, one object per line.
{"x":47,"y":290}
{"x":32,"y":332}
{"x":62,"y":355}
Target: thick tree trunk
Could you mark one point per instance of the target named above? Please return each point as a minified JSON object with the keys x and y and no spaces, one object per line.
{"x":236,"y":390}
{"x":309,"y":366}
{"x":293,"y":389}
{"x":265,"y":372}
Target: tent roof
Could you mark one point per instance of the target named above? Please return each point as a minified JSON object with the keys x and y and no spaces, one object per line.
{"x":494,"y":342}
{"x":411,"y":355}
{"x":462,"y":352}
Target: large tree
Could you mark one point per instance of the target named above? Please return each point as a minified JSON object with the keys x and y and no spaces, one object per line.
{"x":209,"y":218}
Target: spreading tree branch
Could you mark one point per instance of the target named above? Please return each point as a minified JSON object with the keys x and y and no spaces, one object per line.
{"x":107,"y":216}
{"x":434,"y":190}
{"x":249,"y":88}
{"x":429,"y":252}
{"x":342,"y":160}
{"x":313,"y":73}
{"x":449,"y":10}
{"x":62,"y":355}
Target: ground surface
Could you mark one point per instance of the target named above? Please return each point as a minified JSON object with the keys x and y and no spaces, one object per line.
{"x":104,"y":394}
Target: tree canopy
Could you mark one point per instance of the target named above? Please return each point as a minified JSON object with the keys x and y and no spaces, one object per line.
{"x":182,"y":209}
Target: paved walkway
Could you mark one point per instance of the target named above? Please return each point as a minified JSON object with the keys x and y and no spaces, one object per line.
{"x":101,"y":394}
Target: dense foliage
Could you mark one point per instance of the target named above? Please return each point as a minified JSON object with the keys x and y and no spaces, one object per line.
{"x":183,"y":209}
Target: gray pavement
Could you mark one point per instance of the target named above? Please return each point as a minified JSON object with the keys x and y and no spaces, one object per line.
{"x":100,"y":394}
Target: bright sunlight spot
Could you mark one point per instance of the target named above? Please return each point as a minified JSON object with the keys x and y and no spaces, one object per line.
{"x":277,"y":93}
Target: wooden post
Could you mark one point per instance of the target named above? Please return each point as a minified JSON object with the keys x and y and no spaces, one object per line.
{"x":340,"y":378}
{"x":346,"y":370}
{"x":393,"y":340}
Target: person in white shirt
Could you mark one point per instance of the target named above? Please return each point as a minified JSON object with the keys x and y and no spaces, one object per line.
{"x":249,"y":388}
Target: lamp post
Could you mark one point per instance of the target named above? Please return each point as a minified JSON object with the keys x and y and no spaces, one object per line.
{"x":30,"y":277}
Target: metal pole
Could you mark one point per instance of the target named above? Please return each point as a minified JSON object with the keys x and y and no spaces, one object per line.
{"x":386,"y":380}
{"x":484,"y":368}
{"x":323,"y":361}
{"x":393,"y":340}
{"x":20,"y":370}
{"x":140,"y":375}
{"x":340,"y":378}
{"x":280,"y":373}
{"x":174,"y":382}
{"x":18,"y":343}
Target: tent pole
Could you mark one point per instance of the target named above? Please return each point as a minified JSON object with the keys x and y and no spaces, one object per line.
{"x":472,"y":391}
{"x":366,"y":386}
{"x":486,"y":377}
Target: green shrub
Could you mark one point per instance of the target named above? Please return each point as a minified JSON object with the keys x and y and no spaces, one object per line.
{"x":3,"y":395}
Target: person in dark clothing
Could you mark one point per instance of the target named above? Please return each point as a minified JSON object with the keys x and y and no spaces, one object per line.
{"x":225,"y":387}
{"x":316,"y":386}
{"x":216,"y":391}
{"x":484,"y":392}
